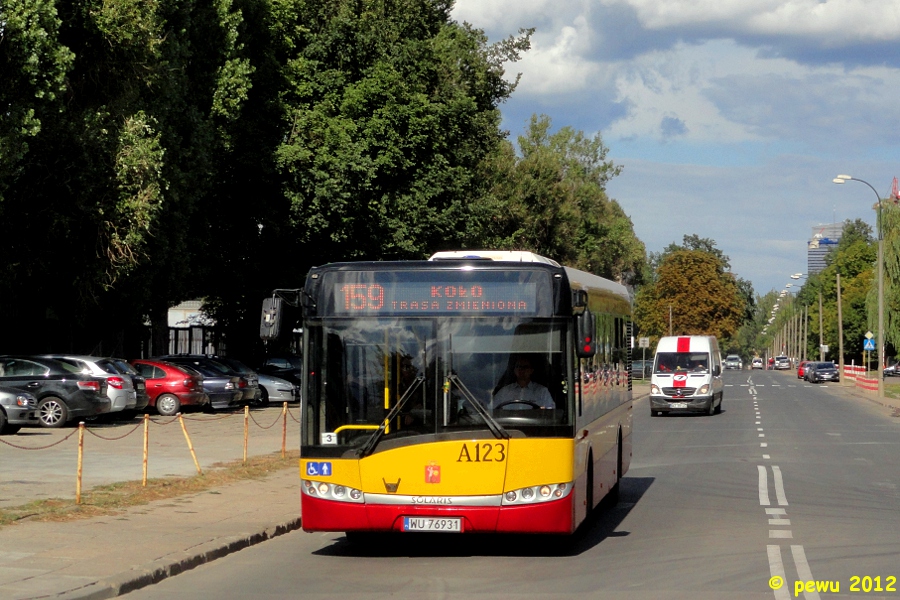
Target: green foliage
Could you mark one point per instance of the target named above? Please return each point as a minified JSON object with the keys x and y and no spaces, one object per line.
{"x":552,"y":200}
{"x":32,"y":70}
{"x":703,"y":298}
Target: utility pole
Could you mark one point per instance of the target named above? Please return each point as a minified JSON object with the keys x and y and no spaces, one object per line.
{"x":840,"y":331}
{"x":821,"y":333}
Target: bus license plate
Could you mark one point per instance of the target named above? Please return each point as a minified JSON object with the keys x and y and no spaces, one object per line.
{"x":451,"y":524}
{"x":678,"y":405}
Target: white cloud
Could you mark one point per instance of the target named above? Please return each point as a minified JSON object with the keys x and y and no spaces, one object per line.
{"x":834,"y":21}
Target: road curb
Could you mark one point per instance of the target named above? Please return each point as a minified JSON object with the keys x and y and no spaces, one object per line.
{"x":164,"y":568}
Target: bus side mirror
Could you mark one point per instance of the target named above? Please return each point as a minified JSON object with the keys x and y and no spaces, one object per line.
{"x":586,"y":328}
{"x":270,"y":322}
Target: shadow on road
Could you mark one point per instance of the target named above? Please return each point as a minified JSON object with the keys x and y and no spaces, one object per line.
{"x":602,"y":524}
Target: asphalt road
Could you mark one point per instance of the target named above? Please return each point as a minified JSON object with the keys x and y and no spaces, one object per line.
{"x":791,"y":480}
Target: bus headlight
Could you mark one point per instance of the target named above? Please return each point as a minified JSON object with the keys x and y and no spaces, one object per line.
{"x":536,"y":494}
{"x":331,"y":491}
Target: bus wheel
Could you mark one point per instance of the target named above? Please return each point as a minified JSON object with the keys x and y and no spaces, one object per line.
{"x":613,"y":495}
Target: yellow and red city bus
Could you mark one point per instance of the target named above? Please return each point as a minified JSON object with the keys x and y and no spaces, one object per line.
{"x":401,"y":426}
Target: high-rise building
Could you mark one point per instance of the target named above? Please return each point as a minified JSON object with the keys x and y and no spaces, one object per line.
{"x":824,"y":239}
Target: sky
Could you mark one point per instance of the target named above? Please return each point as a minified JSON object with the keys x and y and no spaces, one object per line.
{"x":730,"y":118}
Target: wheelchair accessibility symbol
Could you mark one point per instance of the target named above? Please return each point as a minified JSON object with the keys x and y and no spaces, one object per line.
{"x":318,"y":469}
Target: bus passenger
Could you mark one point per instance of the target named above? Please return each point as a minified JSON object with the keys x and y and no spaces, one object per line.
{"x":523,"y":392}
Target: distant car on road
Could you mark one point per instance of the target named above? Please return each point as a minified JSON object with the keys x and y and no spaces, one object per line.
{"x":821,"y":371}
{"x":733,"y":361}
{"x":891,"y":371}
{"x":801,"y":368}
{"x":782,"y":363}
{"x":756,"y":363}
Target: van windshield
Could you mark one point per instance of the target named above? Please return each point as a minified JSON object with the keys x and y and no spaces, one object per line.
{"x":669,"y":362}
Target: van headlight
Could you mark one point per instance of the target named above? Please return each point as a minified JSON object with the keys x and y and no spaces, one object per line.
{"x":654,"y":390}
{"x":704,"y":389}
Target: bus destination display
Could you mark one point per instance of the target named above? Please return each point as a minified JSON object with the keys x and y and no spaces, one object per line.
{"x":484,"y":297}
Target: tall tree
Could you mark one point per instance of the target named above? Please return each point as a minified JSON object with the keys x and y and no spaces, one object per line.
{"x":552,"y":200}
{"x":703,"y":298}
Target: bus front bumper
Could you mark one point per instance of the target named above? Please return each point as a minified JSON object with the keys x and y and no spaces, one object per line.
{"x":549,"y":517}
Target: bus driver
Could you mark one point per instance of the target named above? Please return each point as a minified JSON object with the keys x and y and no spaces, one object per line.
{"x":523,"y":392}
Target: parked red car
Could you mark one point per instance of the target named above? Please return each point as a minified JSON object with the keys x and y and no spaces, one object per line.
{"x":171,"y":387}
{"x":800,"y":369}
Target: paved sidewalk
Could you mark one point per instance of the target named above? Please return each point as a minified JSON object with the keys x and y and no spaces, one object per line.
{"x":104,"y":557}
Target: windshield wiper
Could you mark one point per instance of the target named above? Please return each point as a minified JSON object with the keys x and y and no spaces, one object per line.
{"x":495,"y":427}
{"x":379,"y":433}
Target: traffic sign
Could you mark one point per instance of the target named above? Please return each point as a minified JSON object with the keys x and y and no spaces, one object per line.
{"x":644,"y":342}
{"x":869,"y":344}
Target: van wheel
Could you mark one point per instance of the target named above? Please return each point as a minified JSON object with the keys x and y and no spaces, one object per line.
{"x":719,"y":406}
{"x":712,"y":407}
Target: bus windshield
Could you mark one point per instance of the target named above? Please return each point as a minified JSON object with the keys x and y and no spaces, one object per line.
{"x":500,"y":376}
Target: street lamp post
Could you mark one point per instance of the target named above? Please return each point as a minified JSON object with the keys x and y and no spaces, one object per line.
{"x":839,"y":180}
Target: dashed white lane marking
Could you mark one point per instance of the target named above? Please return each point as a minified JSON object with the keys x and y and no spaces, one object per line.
{"x":803,"y":570}
{"x":779,"y":521}
{"x":776,"y":569}
{"x":759,"y":428}
{"x":763,"y":485}
{"x":783,"y":534}
{"x":764,"y":445}
{"x":766,"y":456}
{"x":762,"y":435}
{"x":779,"y":486}
{"x":775,"y":511}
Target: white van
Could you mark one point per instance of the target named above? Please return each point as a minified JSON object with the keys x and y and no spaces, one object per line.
{"x":687,"y":375}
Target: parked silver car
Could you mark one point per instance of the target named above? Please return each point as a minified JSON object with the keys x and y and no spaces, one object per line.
{"x":17,"y":408}
{"x":120,"y":388}
{"x":277,"y":390}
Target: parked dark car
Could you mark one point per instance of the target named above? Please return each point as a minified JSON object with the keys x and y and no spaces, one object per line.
{"x":63,"y":392}
{"x":223,"y":388}
{"x":641,"y":369}
{"x":171,"y":386}
{"x":821,"y":371}
{"x":252,"y":391}
{"x":288,"y":366}
{"x":122,"y":387}
{"x":17,"y":408}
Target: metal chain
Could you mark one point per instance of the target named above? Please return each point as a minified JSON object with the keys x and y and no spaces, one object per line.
{"x":40,"y":447}
{"x":295,"y":419}
{"x":252,"y":418}
{"x":113,"y":439}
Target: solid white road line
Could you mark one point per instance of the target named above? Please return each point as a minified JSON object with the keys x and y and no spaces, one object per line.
{"x":803,"y":570}
{"x":779,"y":487}
{"x":776,"y":569}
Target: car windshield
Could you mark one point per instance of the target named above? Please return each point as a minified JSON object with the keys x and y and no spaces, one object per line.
{"x":668,"y":362}
{"x":432,"y":377}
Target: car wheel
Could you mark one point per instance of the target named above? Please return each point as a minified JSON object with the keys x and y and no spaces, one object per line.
{"x":263,"y":396}
{"x":168,"y":405}
{"x":654,"y":413}
{"x":53,"y":412}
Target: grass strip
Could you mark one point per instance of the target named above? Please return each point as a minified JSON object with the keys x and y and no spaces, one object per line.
{"x":112,"y":498}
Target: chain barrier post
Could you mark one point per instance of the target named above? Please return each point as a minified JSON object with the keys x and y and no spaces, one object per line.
{"x":246,"y":429}
{"x":80,"y":462}
{"x":146,"y":447}
{"x":283,"y":429}
{"x":190,"y":445}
